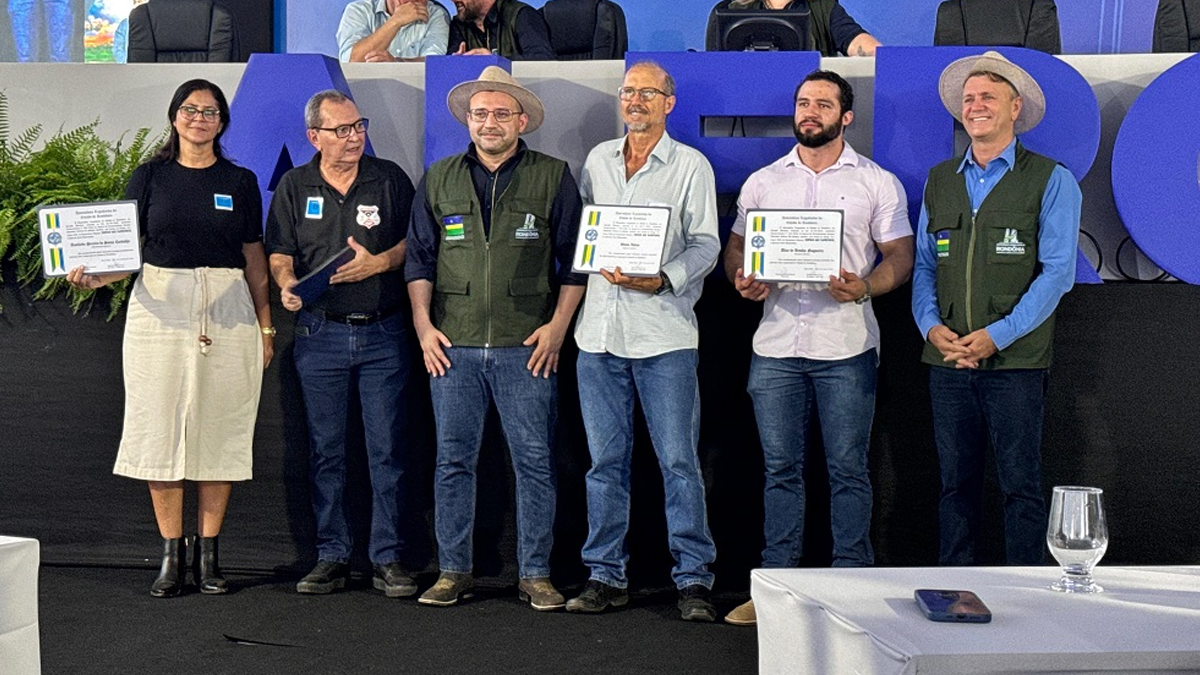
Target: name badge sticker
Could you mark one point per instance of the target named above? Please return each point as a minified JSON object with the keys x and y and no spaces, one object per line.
{"x":223,"y":202}
{"x":315,"y":208}
{"x":454,"y":228}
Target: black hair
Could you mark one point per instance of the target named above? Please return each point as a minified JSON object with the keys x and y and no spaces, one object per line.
{"x":170,"y":149}
{"x":845,"y":92}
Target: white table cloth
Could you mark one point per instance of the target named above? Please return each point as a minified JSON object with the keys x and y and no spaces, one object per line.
{"x":20,"y":651}
{"x":865,"y":622}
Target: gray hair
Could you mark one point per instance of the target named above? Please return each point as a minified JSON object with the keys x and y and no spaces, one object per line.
{"x":312,"y":109}
{"x":668,"y":81}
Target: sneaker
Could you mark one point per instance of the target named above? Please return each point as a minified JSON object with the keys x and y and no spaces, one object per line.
{"x":742,"y":615}
{"x":540,"y":594}
{"x":449,"y":588}
{"x":394,"y":581}
{"x":598,"y":596}
{"x":694,"y":605}
{"x":326,"y":577}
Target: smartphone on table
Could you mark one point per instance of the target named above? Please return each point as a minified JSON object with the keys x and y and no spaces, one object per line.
{"x":953,"y":606}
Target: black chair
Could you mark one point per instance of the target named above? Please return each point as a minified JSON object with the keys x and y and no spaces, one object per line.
{"x":581,"y":30}
{"x":1177,"y":26}
{"x":174,"y":31}
{"x":999,"y":23}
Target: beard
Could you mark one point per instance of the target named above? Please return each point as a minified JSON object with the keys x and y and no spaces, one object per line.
{"x":469,"y":12}
{"x":641,"y":126}
{"x":820,"y":138}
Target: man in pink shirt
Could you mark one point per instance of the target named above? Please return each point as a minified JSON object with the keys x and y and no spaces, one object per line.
{"x":817,"y":342}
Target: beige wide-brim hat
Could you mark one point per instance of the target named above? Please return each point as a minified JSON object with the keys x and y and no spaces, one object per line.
{"x":950,"y":86}
{"x":495,"y":78}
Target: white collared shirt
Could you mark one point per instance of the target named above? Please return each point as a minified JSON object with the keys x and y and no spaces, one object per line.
{"x":636,"y":324}
{"x":803,"y":320}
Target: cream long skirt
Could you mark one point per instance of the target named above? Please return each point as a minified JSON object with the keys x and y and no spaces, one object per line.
{"x":193,"y":367}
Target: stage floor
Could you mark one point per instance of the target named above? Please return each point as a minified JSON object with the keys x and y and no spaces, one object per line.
{"x":103,"y":620}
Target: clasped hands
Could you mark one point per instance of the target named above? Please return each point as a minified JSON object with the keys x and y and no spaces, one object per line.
{"x":964,"y":352}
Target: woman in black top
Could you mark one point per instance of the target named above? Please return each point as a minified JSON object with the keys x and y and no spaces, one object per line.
{"x":198,"y":331}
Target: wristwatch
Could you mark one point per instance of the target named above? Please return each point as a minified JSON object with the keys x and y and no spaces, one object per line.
{"x":269,"y":330}
{"x":666,"y":284}
{"x":866,"y":293}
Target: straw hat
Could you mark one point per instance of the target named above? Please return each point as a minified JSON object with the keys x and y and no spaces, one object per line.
{"x":495,"y":78}
{"x":950,"y":86}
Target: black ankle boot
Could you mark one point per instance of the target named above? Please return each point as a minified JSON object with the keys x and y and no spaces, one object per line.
{"x":174,"y":568}
{"x":207,"y":569}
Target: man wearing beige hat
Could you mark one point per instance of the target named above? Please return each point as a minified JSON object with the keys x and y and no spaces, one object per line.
{"x":996,"y":244}
{"x":491,"y":312}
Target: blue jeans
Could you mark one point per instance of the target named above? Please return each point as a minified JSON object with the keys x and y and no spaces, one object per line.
{"x":336,"y":361}
{"x":526,"y":407}
{"x":783,"y":391}
{"x":670,"y":396}
{"x":60,"y":28}
{"x":971,"y":407}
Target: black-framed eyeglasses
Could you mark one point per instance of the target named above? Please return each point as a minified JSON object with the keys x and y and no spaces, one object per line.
{"x":646,"y":94}
{"x":502,"y":115}
{"x":191,"y":112}
{"x":344,"y":131}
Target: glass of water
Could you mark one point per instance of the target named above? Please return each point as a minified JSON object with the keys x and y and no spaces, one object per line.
{"x":1077,"y":536}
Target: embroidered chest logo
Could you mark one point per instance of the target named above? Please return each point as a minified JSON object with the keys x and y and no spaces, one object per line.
{"x":943,"y":244}
{"x":1010,"y":244}
{"x":223,"y":202}
{"x":368,"y":216}
{"x":529,"y":229}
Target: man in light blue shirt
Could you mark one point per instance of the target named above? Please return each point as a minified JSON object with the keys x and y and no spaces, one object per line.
{"x":996,"y":244}
{"x":392,"y":30}
{"x":638,"y":337}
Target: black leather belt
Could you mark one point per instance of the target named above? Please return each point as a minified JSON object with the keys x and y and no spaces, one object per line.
{"x":355,"y":318}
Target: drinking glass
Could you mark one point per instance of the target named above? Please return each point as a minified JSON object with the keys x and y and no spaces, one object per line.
{"x":1077,"y":536}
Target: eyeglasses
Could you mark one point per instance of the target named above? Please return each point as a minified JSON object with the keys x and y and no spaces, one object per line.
{"x":191,"y":112}
{"x":647,"y":94}
{"x":344,"y":131}
{"x":502,"y":115}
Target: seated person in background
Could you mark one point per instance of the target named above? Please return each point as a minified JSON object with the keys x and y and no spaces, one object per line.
{"x":509,"y":28}
{"x":833,"y":31}
{"x":392,"y":30}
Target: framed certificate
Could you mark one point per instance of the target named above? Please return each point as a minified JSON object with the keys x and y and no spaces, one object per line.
{"x":102,"y":236}
{"x":794,"y":245}
{"x":629,"y":237}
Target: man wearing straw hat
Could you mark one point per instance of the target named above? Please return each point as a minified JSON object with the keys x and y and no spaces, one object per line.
{"x":996,"y":244}
{"x":491,"y":313}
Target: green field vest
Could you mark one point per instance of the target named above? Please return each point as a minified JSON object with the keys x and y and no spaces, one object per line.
{"x":986,"y":263}
{"x":506,"y":21}
{"x":493,"y":291}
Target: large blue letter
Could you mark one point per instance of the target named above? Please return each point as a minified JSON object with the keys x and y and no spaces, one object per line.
{"x":1154,"y":171}
{"x":268,"y":134}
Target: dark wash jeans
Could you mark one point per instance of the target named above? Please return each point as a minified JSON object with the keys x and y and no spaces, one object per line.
{"x":783,"y":391}
{"x":336,"y":361}
{"x":1005,"y":407}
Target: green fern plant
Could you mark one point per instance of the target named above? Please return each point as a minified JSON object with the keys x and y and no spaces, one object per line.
{"x":72,"y":167}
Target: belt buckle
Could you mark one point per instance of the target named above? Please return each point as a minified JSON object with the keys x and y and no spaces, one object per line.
{"x":359,"y":319}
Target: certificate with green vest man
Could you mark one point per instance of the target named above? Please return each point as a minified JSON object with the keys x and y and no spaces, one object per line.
{"x":628,"y":237}
{"x":798,"y":245}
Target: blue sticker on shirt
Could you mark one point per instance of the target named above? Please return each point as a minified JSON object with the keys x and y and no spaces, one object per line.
{"x":223,"y":202}
{"x":315,"y":207}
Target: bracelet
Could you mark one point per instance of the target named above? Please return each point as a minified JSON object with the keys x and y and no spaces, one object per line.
{"x":268,"y":330}
{"x":866,"y":293}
